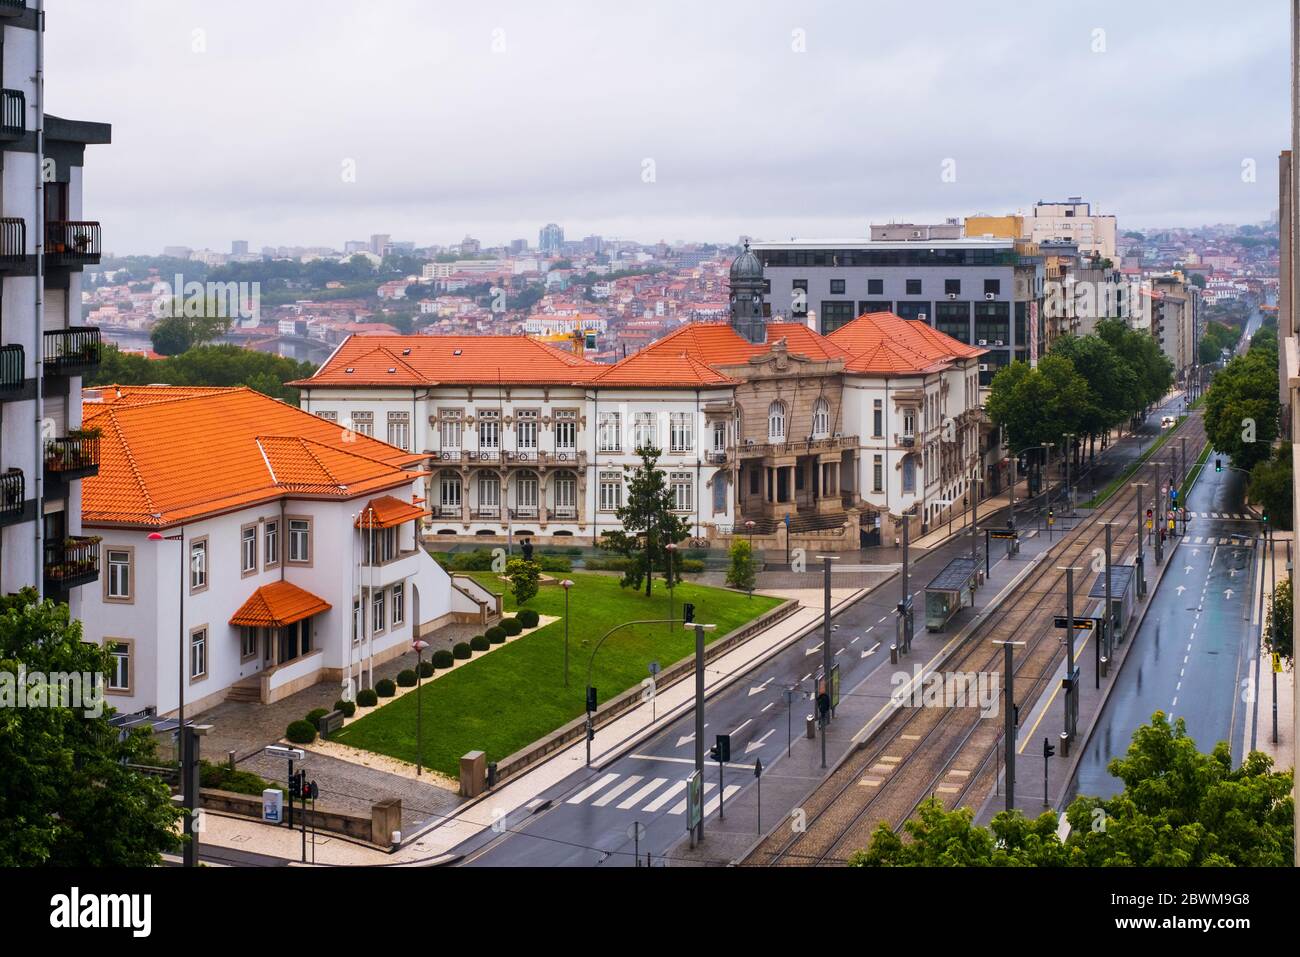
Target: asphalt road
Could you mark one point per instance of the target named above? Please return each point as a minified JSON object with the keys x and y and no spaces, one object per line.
{"x":636,"y":805}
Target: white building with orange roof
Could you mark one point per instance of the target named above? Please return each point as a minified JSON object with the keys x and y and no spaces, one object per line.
{"x":250,"y":549}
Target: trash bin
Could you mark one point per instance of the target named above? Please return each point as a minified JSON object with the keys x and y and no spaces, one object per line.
{"x":811,"y":728}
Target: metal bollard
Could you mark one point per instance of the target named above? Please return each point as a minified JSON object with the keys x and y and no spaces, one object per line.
{"x":230,"y":760}
{"x":811,"y":729}
{"x":1065,"y":745}
{"x":893,"y":654}
{"x":1105,"y":666}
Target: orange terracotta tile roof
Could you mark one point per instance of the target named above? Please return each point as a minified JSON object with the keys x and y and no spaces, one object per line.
{"x":433,"y":360}
{"x":276,"y":605}
{"x":175,"y":454}
{"x":388,"y":512}
{"x":881,"y":343}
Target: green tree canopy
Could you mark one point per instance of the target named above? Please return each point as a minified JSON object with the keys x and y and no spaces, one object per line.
{"x":224,"y":365}
{"x":67,"y":797}
{"x":648,"y":523}
{"x":1111,"y":381}
{"x":1038,"y":405}
{"x":1241,"y":408}
{"x":1271,"y":484}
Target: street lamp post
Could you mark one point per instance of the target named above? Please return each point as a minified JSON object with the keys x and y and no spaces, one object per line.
{"x":1069,"y":452}
{"x":419,"y":645}
{"x":182,"y":744}
{"x":566,"y":585}
{"x":1141,"y":575}
{"x":671,"y":549}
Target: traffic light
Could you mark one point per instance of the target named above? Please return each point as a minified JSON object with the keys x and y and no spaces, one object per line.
{"x":591,"y":698}
{"x":1015,"y":716}
{"x":721,"y":750}
{"x":1150,"y":514}
{"x":1048,"y":749}
{"x":688,"y":612}
{"x":1218,"y":465}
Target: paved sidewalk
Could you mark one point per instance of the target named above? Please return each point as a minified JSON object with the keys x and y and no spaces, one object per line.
{"x":1258,"y":734}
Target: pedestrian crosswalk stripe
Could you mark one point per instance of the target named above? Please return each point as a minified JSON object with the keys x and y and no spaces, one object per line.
{"x":616,"y":790}
{"x":592,"y":789}
{"x":727,"y":792}
{"x":680,"y":806}
{"x":642,"y":794}
{"x":664,"y":798}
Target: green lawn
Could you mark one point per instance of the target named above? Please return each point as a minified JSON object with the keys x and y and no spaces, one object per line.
{"x":509,"y":697}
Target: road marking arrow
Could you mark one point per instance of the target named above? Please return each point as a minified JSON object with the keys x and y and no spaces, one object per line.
{"x":1227,"y":593}
{"x":689,"y":738}
{"x":1180,"y":589}
{"x":759,"y":689}
{"x":812,"y":651}
{"x":755,"y":745}
{"x":871,"y":651}
{"x":1187,"y":570}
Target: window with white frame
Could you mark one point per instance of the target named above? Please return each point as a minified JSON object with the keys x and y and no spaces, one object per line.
{"x":248,"y":549}
{"x":399,"y":430}
{"x":821,"y":419}
{"x":526,"y":493}
{"x":328,"y":416}
{"x":681,"y":432}
{"x":877,"y":418}
{"x":719,"y":436}
{"x":300,"y":540}
{"x":489,"y":491}
{"x":776,"y":422}
{"x":526,"y":430}
{"x":363,"y":423}
{"x":566,"y":430}
{"x":380,"y":545}
{"x":909,"y":423}
{"x":566,"y":495}
{"x":399,"y":604}
{"x":271,"y":543}
{"x":643,"y":430}
{"x":609,"y":432}
{"x":683,"y":489}
{"x":377,"y":612}
{"x":198,"y":564}
{"x":611,"y":491}
{"x":489,"y":430}
{"x":247,"y":642}
{"x":119,"y":675}
{"x":449,"y":429}
{"x":198,"y":653}
{"x":878,"y":474}
{"x":119,"y":574}
{"x":449,"y":493}
{"x":356,"y":620}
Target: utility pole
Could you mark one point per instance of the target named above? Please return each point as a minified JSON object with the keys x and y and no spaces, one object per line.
{"x":1009,"y":717}
{"x":827,"y":654}
{"x":1109,"y":615}
{"x":699,"y":717}
{"x":1141,"y":574}
{"x":904,"y":605}
{"x":974,"y":522}
{"x":1071,"y":684}
{"x":1069,"y":453}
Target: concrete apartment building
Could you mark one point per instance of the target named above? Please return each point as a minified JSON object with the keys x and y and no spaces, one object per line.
{"x":845,"y":433}
{"x":44,"y":350}
{"x":1073,"y":220}
{"x":1176,"y":321}
{"x":982,"y":291}
{"x":257,"y":547}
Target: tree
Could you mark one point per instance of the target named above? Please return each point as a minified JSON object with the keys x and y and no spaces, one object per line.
{"x":1271,"y":484}
{"x":523,"y":576}
{"x":224,"y":365}
{"x":67,"y":795}
{"x":1179,"y":808}
{"x":648,"y":523}
{"x":189,"y":324}
{"x":1153,"y":370}
{"x":1040,"y":405}
{"x":742,"y":573}
{"x":1241,"y":408}
{"x":1111,"y":382}
{"x":1281,"y":610}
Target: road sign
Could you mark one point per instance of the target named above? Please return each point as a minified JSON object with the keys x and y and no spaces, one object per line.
{"x":694,"y":800}
{"x":1002,"y":533}
{"x":1080,"y":624}
{"x":289,"y":754}
{"x":654,"y":668}
{"x":1277,"y":662}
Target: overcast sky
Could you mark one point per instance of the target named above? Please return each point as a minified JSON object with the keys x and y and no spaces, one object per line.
{"x":660,"y":119}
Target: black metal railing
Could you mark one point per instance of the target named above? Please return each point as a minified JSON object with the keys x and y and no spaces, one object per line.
{"x":13,"y":368}
{"x":13,"y":113}
{"x":71,"y":562}
{"x":72,"y":456}
{"x":72,"y":351}
{"x":72,"y":243}
{"x":13,"y":239}
{"x":563,"y":511}
{"x":13,"y":494}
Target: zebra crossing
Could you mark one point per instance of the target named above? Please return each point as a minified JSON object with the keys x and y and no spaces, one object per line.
{"x":1230,"y":516}
{"x":1218,"y":540}
{"x":648,"y":795}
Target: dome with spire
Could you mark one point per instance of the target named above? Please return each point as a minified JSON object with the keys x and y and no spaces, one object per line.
{"x":746,"y":266}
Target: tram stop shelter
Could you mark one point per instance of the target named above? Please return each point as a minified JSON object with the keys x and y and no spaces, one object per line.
{"x":951,"y":590}
{"x":1121,"y":594}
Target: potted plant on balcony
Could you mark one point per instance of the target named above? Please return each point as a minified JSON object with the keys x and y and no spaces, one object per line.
{"x":81,"y":241}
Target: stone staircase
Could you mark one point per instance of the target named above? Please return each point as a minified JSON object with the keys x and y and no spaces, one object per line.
{"x":246,"y":689}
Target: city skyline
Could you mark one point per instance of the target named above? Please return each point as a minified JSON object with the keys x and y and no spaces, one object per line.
{"x":702,"y":144}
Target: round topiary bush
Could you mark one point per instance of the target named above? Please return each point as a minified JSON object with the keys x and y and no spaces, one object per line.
{"x":366,"y":698}
{"x":385,"y":688}
{"x":528,"y":618}
{"x":462,"y":650}
{"x":301,"y":732}
{"x":349,"y":708}
{"x":426,"y":669}
{"x":479,"y":643}
{"x":406,"y":677}
{"x":511,"y":626}
{"x":496,"y":634}
{"x":442,"y":658}
{"x":315,"y":714}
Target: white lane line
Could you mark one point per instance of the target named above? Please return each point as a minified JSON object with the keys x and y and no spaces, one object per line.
{"x":642,"y":794}
{"x":883,"y":620}
{"x":768,"y":706}
{"x":591,"y":789}
{"x":746,"y":722}
{"x":628,"y":782}
{"x":664,"y":798}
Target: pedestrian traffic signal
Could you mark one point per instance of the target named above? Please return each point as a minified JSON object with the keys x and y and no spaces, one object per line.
{"x":1218,"y":465}
{"x":1015,"y":715}
{"x":591,"y":698}
{"x":1048,"y":749}
{"x":721,"y":750}
{"x":688,"y":612}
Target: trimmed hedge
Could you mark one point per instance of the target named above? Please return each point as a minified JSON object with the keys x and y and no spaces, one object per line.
{"x":406,"y":677}
{"x":349,"y":708}
{"x":496,"y":634}
{"x":511,"y":626}
{"x":301,"y":732}
{"x":479,"y":643}
{"x":426,"y":669}
{"x":462,"y":650}
{"x":442,"y":658}
{"x":528,"y":618}
{"x":366,"y":698}
{"x":315,"y":714}
{"x":385,"y":688}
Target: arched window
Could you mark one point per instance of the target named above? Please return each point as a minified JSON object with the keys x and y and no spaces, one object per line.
{"x":821,"y":419}
{"x":776,"y":422}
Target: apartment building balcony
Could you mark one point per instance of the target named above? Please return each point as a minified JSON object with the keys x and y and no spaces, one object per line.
{"x":13,"y":114}
{"x":69,"y":564}
{"x":13,"y":244}
{"x":528,"y":513}
{"x":14,"y":507}
{"x":488,"y":512}
{"x":905,"y":441}
{"x":795,"y":447}
{"x":67,"y":459}
{"x":718,"y":457}
{"x":69,"y":243}
{"x":72,"y":351}
{"x":13,"y":374}
{"x":562,"y":513}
